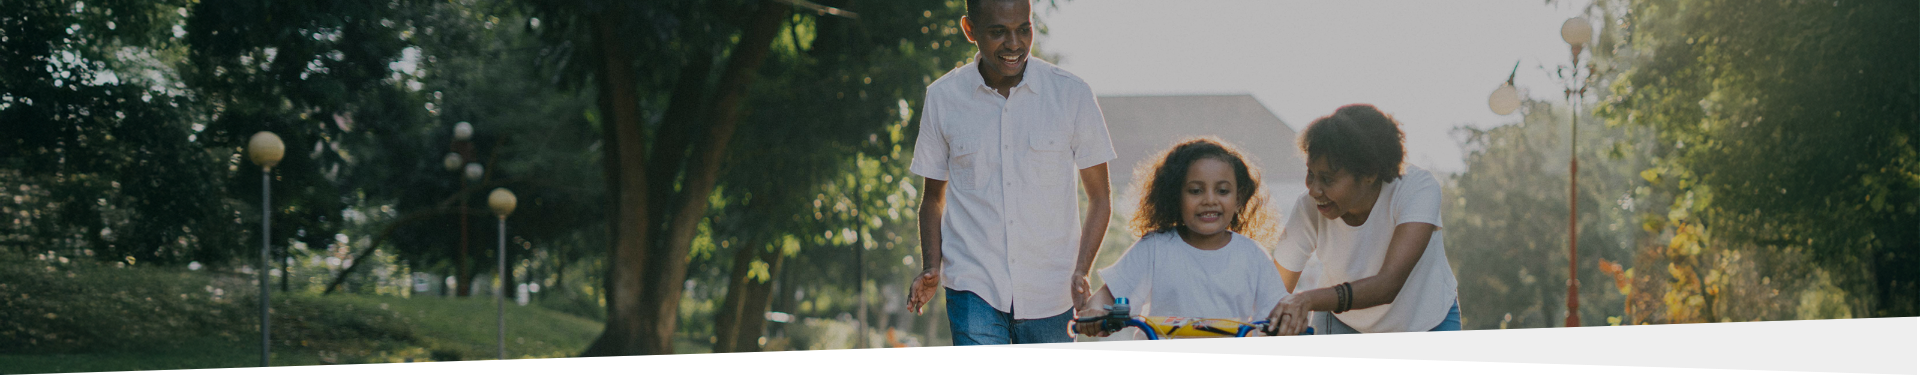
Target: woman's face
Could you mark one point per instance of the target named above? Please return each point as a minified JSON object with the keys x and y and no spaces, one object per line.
{"x":1338,"y":194}
{"x":1210,"y":198}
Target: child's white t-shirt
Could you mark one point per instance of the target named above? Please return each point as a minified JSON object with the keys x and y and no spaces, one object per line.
{"x":1161,"y":275}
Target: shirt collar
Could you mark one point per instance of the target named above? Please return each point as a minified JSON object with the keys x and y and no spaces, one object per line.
{"x":1030,"y":78}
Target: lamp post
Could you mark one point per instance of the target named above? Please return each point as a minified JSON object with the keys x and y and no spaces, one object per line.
{"x":502,"y":202}
{"x":1505,"y":99}
{"x":462,"y":154}
{"x":265,"y":149}
{"x":1577,"y":32}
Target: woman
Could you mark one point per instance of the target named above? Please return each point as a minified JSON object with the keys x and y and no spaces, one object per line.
{"x":1373,"y":223}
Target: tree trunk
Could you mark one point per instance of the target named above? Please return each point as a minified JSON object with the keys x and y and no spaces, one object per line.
{"x":559,"y":278}
{"x":386,"y":233}
{"x":464,"y":275}
{"x":283,"y":269}
{"x":744,"y":312}
{"x":626,"y":170}
{"x":508,"y":286}
{"x":668,"y":266}
{"x":674,"y":138}
{"x":732,"y":306}
{"x":759,"y":296}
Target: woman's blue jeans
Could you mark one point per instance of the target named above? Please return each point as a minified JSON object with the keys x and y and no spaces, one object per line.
{"x":1326,"y":324}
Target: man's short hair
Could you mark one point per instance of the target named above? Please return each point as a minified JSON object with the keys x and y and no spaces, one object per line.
{"x":974,"y":6}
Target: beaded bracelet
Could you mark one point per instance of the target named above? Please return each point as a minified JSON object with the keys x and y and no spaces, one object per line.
{"x":1341,"y":306}
{"x":1345,"y":292}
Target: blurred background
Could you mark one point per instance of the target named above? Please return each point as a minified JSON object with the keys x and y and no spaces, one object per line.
{"x":731,"y":175}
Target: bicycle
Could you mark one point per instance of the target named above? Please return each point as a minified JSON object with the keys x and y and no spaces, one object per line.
{"x":1119,"y":316}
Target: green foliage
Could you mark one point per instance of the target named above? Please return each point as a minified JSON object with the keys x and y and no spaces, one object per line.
{"x":100,"y":140}
{"x":1506,"y":219}
{"x":822,"y":158}
{"x":317,"y":74}
{"x":479,"y":63}
{"x":1787,"y":127}
{"x":81,"y":315}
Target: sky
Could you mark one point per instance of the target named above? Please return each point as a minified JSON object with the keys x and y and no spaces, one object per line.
{"x":1431,"y":64}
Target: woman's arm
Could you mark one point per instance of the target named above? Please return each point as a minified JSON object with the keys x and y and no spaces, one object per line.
{"x":1403,"y":252}
{"x":1287,"y":276}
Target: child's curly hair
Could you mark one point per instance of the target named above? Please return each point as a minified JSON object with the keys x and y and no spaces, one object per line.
{"x":1159,"y":181}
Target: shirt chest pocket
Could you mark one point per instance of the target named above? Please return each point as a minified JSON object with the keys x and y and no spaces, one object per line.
{"x":965,"y":164}
{"x":1049,"y":158}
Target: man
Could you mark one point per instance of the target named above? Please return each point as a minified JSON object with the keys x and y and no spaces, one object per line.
{"x":1003,"y":137}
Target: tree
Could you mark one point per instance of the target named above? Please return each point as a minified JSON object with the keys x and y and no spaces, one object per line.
{"x":825,"y":160}
{"x":101,"y":138}
{"x":316,"y":73}
{"x":1826,"y":95}
{"x":703,"y":62}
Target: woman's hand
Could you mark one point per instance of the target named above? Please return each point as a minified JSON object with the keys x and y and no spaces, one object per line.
{"x":1291,"y":315}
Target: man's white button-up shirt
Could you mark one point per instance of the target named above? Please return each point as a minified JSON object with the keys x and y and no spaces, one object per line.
{"x":1011,"y":229}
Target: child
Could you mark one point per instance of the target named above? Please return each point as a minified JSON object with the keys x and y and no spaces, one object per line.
{"x":1194,"y":257}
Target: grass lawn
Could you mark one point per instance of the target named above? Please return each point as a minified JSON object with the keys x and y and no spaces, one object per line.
{"x":75,"y":317}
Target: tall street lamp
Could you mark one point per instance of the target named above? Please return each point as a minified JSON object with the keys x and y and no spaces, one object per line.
{"x":1577,"y":32}
{"x":502,"y":202}
{"x":462,"y":154}
{"x":265,"y":149}
{"x":1505,"y":99}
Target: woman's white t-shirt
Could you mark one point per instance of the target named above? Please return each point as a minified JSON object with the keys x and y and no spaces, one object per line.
{"x":1347,"y":253}
{"x":1161,"y":275}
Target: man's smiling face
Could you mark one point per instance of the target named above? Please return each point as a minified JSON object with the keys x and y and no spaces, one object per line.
{"x":1003,"y":30}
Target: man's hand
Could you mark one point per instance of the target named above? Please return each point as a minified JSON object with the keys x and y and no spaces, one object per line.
{"x":1082,"y":288}
{"x":933,"y":204}
{"x":922,"y":290}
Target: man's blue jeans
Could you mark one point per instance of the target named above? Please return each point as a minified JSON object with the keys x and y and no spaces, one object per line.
{"x":974,"y":322}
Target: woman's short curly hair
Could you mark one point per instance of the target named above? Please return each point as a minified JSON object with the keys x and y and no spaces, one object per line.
{"x":1358,"y":138}
{"x":1160,"y":180}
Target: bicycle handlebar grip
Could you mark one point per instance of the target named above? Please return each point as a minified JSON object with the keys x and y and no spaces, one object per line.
{"x":1117,"y":316}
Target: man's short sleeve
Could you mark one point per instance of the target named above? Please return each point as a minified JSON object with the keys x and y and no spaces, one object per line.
{"x":1091,"y":143}
{"x":1129,"y":277}
{"x":1298,"y":237}
{"x":930,"y":147}
{"x":1417,"y":199}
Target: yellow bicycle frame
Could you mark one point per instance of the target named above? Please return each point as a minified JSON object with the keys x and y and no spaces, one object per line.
{"x":1178,"y":327}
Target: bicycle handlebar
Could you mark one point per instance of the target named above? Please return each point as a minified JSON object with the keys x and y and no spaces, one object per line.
{"x":1119,"y":316}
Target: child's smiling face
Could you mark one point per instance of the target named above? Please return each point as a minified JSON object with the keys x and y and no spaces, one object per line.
{"x":1210,"y":198}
